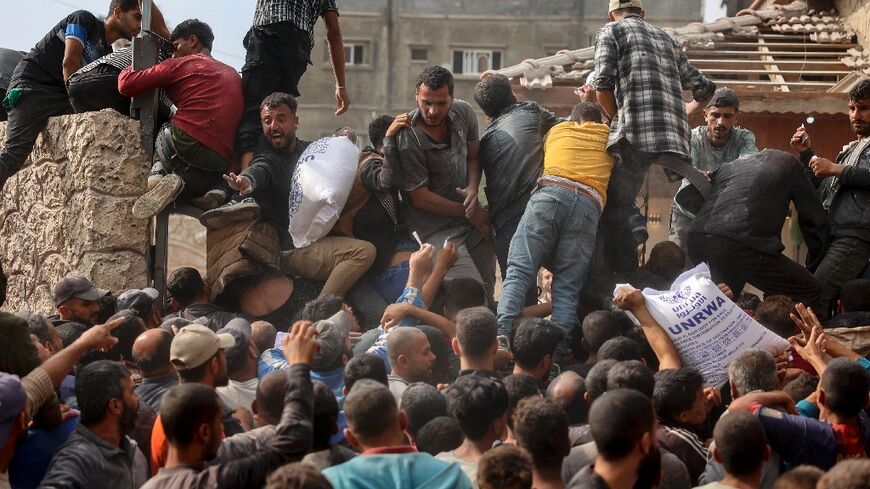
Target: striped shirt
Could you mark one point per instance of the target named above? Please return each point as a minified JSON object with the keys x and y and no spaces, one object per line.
{"x":647,"y":71}
{"x":301,"y":13}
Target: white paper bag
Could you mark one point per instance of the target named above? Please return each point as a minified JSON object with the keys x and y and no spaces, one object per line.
{"x":321,"y":185}
{"x":707,"y":328}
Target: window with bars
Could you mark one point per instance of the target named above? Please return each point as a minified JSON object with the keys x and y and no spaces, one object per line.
{"x":354,"y":54}
{"x":475,"y":61}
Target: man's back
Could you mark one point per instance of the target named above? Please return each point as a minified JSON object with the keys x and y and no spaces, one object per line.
{"x":511,"y":156}
{"x":750,"y":201}
{"x":647,"y":71}
{"x":396,"y":470}
{"x":576,"y":151}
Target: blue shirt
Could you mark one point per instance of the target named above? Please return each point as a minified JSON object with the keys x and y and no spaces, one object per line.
{"x":397,"y":470}
{"x":31,"y":459}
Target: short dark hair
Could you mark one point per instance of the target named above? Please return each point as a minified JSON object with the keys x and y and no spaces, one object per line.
{"x":534,"y":339}
{"x":596,"y":378}
{"x":861,"y":91}
{"x":127,"y":332}
{"x":441,"y":434}
{"x":435,"y":77}
{"x":748,"y":301}
{"x":194,"y":27}
{"x":124,"y":5}
{"x":443,"y":352}
{"x":586,"y":112}
{"x":370,"y":409}
{"x":18,"y":355}
{"x":505,"y":467}
{"x":631,"y":374}
{"x":325,"y":417}
{"x":846,"y":385}
{"x":378,"y":130}
{"x":422,"y":403}
{"x":519,"y":387}
{"x":667,"y":260}
{"x":270,"y":396}
{"x":476,"y":331}
{"x":323,"y":307}
{"x":493,"y":94}
{"x":477,"y":402}
{"x":855,"y":294}
{"x":185,"y":408}
{"x":619,"y":420}
{"x":185,"y":284}
{"x":801,"y":386}
{"x":774,"y":314}
{"x":598,"y":327}
{"x":277,"y":99}
{"x":158,"y":358}
{"x":676,"y":391}
{"x":69,"y":332}
{"x":297,"y":475}
{"x":572,"y":401}
{"x":848,"y":474}
{"x":752,"y":370}
{"x":38,"y":325}
{"x":462,"y":293}
{"x":800,"y":477}
{"x":96,"y":385}
{"x":541,"y":427}
{"x":740,"y":442}
{"x":365,"y":366}
{"x":620,"y":349}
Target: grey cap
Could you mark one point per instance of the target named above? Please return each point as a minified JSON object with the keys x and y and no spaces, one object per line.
{"x":78,"y":287}
{"x":332,"y":334}
{"x":724,"y":97}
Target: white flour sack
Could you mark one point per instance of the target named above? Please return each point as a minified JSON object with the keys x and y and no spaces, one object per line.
{"x":707,"y":328}
{"x":321,"y":184}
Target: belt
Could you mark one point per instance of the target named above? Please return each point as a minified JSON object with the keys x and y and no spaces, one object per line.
{"x":544,"y":182}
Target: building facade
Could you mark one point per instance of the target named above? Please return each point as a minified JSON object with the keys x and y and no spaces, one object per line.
{"x":388,"y":42}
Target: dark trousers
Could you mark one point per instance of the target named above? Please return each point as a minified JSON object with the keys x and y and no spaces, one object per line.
{"x":27,"y":118}
{"x":97,"y":90}
{"x":197,"y":181}
{"x":3,"y":114}
{"x":503,"y":237}
{"x":275,"y":60}
{"x":845,"y":259}
{"x":736,"y":265}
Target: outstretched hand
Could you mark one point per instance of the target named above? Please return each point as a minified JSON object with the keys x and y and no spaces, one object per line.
{"x":239,"y":183}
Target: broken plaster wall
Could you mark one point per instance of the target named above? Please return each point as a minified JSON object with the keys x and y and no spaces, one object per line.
{"x":68,"y":210}
{"x":856,"y":13}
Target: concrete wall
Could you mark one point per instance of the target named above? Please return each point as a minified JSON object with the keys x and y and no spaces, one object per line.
{"x":857,"y":16}
{"x":68,"y":210}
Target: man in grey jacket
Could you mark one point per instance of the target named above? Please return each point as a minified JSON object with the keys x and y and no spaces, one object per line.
{"x":98,"y":454}
{"x":192,"y":421}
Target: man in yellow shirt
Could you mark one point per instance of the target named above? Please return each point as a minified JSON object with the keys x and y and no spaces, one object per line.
{"x":560,"y":223}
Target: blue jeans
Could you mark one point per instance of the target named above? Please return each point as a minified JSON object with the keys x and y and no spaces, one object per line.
{"x":558,"y":229}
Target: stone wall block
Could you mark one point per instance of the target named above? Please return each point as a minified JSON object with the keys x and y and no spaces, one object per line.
{"x":68,"y":210}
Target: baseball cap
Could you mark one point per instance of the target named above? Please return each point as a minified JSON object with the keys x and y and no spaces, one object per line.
{"x":332,"y":333}
{"x":618,"y":4}
{"x":724,"y":97}
{"x":195,"y":344}
{"x":78,"y":287}
{"x":240,"y":330}
{"x":12,"y":401}
{"x":140,"y":300}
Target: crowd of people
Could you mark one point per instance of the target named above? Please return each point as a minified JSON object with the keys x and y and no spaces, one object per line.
{"x":380,"y":355}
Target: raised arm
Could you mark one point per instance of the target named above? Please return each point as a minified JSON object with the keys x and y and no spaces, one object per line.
{"x":632,"y":300}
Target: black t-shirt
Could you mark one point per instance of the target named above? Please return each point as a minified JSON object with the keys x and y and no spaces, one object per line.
{"x":43,"y":65}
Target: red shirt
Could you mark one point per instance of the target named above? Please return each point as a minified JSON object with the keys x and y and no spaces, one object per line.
{"x":207,"y":93}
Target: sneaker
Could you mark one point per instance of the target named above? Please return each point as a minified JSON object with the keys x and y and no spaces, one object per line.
{"x":158,"y":171}
{"x":159,"y":197}
{"x":212,"y":199}
{"x":233,"y":211}
{"x":503,"y":343}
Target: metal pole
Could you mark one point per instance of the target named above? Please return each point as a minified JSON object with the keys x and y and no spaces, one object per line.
{"x":146,"y":16}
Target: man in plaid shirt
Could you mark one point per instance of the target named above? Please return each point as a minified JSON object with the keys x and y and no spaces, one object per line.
{"x":278,"y":51}
{"x":640,"y":75}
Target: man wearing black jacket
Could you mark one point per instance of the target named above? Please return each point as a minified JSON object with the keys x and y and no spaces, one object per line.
{"x":737,"y":231}
{"x":844,"y":189}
